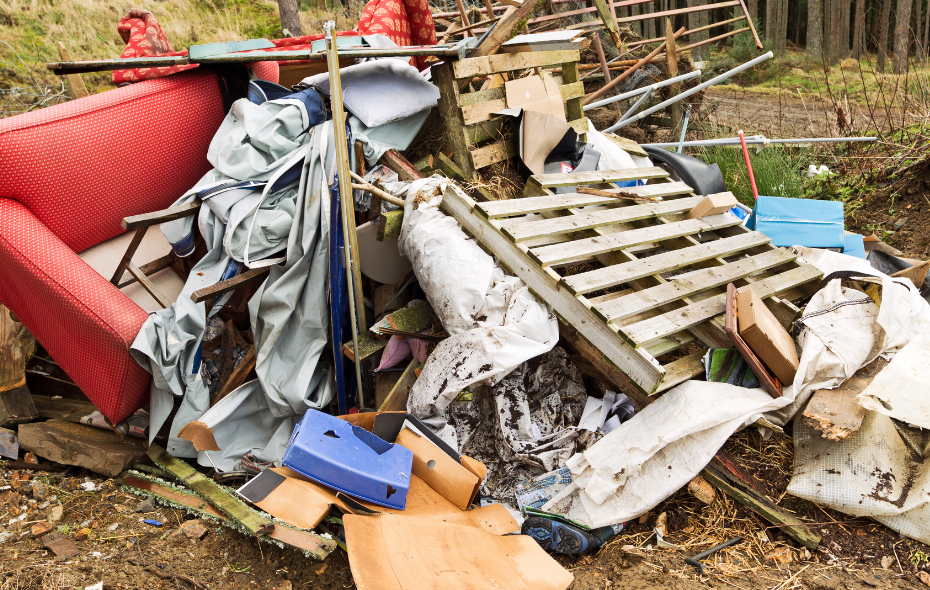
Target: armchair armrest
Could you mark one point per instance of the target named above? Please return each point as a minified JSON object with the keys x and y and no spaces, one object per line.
{"x":159,"y":217}
{"x":229,"y":284}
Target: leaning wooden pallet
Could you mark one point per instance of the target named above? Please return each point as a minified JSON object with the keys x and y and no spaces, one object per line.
{"x":651,"y":283}
{"x":478,"y":137}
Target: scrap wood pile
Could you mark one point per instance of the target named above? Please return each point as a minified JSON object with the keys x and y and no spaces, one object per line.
{"x":344,"y":348}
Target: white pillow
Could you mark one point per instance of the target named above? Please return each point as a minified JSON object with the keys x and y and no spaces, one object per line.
{"x":378,"y":92}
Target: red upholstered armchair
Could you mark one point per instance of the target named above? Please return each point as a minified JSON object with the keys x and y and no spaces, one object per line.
{"x":69,"y":174}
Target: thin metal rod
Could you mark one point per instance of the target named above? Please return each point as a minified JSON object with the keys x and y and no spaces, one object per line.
{"x":716,"y":80}
{"x":759,"y":140}
{"x":638,"y":91}
{"x":684,"y":129}
{"x":637,"y":104}
{"x":347,"y":204}
{"x":752,"y":178}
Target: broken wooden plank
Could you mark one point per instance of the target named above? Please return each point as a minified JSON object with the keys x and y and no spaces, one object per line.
{"x":396,"y":401}
{"x":313,"y":545}
{"x":389,"y":224}
{"x":101,"y":451}
{"x":792,"y":526}
{"x":520,"y":231}
{"x":63,"y":409}
{"x":835,"y":413}
{"x":212,"y":492}
{"x":367,"y":344}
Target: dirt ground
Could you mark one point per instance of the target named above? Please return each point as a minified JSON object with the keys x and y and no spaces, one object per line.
{"x":122,"y":551}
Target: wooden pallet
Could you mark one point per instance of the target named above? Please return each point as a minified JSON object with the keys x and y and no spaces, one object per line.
{"x":634,"y":278}
{"x":473,"y":132}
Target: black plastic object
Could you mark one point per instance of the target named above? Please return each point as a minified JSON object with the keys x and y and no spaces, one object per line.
{"x":889,"y":265}
{"x":705,"y":179}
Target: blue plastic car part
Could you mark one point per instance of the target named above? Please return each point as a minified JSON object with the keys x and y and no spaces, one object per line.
{"x":350,"y":459}
{"x":853,"y":245}
{"x":799,"y":222}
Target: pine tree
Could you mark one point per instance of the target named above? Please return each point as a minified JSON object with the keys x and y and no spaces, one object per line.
{"x":883,"y":35}
{"x":815,"y":29}
{"x":902,"y":36}
{"x":290,"y":17}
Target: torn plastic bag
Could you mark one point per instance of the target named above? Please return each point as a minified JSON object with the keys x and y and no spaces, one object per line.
{"x":494,"y":322}
{"x":658,"y":451}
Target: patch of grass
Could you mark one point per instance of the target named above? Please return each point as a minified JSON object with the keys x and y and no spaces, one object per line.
{"x":779,"y":172}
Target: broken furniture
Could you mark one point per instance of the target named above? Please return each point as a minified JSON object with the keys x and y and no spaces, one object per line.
{"x":658,"y":284}
{"x":72,"y":172}
{"x":478,"y":137}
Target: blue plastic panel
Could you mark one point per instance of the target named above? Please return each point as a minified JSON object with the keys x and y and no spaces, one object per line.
{"x":799,"y":222}
{"x":350,"y":459}
{"x":853,"y":245}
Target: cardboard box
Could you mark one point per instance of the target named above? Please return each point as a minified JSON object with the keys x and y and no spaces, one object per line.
{"x":533,"y":93}
{"x":765,"y":336}
{"x":713,"y":205}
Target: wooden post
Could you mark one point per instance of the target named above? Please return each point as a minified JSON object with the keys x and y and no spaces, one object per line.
{"x":601,"y":57}
{"x":464,"y":15}
{"x":609,"y":18}
{"x":75,"y":83}
{"x":16,"y":346}
{"x":671,"y":55}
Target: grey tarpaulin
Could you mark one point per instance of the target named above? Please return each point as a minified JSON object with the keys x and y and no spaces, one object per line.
{"x":289,"y":313}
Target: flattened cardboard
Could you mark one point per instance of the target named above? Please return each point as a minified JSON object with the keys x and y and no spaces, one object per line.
{"x":406,"y":553}
{"x":201,"y":435}
{"x":297,"y":501}
{"x":541,"y":95}
{"x":713,"y":205}
{"x":765,"y":336}
{"x":440,"y":471}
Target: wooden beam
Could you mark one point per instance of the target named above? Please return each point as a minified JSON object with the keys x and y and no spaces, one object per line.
{"x":75,"y":83}
{"x":158,"y":217}
{"x":253,"y":274}
{"x":510,"y":24}
{"x":148,"y":285}
{"x":717,"y":474}
{"x":212,"y":492}
{"x":394,"y":160}
{"x":835,"y":413}
{"x":396,"y":401}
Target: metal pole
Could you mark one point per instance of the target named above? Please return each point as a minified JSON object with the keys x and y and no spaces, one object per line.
{"x":684,"y":129}
{"x":636,"y":104}
{"x":689,"y":92}
{"x":638,"y":91}
{"x":759,"y":140}
{"x":347,"y":203}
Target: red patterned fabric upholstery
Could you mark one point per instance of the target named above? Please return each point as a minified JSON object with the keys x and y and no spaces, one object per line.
{"x":70,"y":173}
{"x":82,"y":166}
{"x":83,"y":321}
{"x":407,"y":22}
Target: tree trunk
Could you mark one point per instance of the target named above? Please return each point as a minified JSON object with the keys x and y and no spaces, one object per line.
{"x":902,"y":36}
{"x":858,"y":45}
{"x":753,"y":8}
{"x":923,"y":54}
{"x":882,"y":49}
{"x":843,"y":39}
{"x":770,"y":18}
{"x":694,"y":22}
{"x":649,"y":25}
{"x":290,"y":18}
{"x":815,"y":29}
{"x":781,"y":31}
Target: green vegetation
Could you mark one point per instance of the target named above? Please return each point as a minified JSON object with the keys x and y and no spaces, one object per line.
{"x":31,"y":29}
{"x":779,"y":172}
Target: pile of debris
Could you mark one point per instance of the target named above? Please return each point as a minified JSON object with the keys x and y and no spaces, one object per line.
{"x":331,"y":346}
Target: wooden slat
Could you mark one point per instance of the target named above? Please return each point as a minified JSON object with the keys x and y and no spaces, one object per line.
{"x":512,"y":207}
{"x":642,"y":369}
{"x":690,"y":284}
{"x":573,"y":223}
{"x":478,"y":111}
{"x":599,"y":177}
{"x":647,"y":331}
{"x":680,"y":370}
{"x":148,"y":285}
{"x":229,"y":284}
{"x":568,"y":91}
{"x":158,"y":217}
{"x":493,"y":129}
{"x":618,"y":274}
{"x":150,"y":268}
{"x":495,"y":152}
{"x":508,"y":62}
{"x":584,"y":249}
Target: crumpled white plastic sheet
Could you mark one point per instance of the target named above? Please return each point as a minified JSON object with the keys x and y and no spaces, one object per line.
{"x":493,"y":320}
{"x":657,"y":451}
{"x":900,"y":390}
